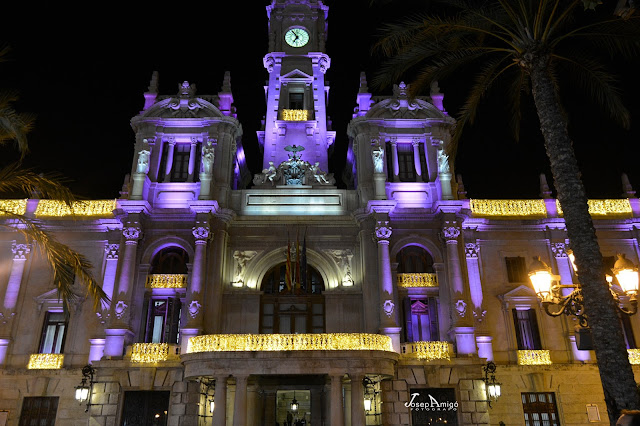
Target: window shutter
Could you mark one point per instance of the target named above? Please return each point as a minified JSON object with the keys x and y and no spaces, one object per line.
{"x":433,"y":318}
{"x":408,"y":329}
{"x":172,"y":326}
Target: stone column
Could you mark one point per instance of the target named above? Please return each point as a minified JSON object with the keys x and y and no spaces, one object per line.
{"x":465,"y":339}
{"x":112,"y":252}
{"x":388,"y":321}
{"x":220,"y":398}
{"x":192,"y":159}
{"x":357,"y":401}
{"x":240,"y":402}
{"x":119,"y":328}
{"x":416,"y":158}
{"x":201,"y":234}
{"x":171,"y":145}
{"x":20,"y":252}
{"x":252,"y":405}
{"x":394,"y":157}
{"x":4,"y":346}
{"x":336,"y":412}
{"x":565,"y":269}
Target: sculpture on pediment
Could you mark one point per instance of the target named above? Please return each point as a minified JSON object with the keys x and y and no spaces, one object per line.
{"x":241,"y":258}
{"x":294,"y":171}
{"x":143,"y":161}
{"x":443,"y":162}
{"x":208,"y":156}
{"x":377,"y":154}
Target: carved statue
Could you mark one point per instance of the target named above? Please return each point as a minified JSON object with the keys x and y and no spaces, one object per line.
{"x":377,"y":154}
{"x":242,"y":257}
{"x":443,"y":162}
{"x":270,"y":173}
{"x":318,"y":174}
{"x":208,"y":156}
{"x":143,"y":161}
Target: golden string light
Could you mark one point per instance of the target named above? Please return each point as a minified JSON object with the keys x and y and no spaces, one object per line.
{"x":90,"y":208}
{"x":605,"y":207}
{"x":432,"y":350}
{"x":289,"y":342}
{"x":166,"y":281}
{"x":149,"y":352}
{"x":18,"y":207}
{"x":634,"y":356}
{"x":508,"y":207}
{"x":45,"y":361}
{"x":418,"y":280}
{"x":295,"y":114}
{"x":534,"y":357}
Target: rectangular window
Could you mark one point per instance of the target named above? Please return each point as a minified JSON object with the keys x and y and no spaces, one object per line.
{"x":180,"y":165}
{"x":406,"y":165}
{"x":516,"y":269}
{"x":53,"y":333}
{"x":145,"y":408}
{"x":421,"y":320}
{"x":163,"y":320}
{"x":540,"y":409}
{"x":296,"y":100}
{"x":526,"y":325}
{"x":38,"y":410}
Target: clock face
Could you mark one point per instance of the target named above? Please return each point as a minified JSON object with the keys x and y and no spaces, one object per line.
{"x":296,"y":37}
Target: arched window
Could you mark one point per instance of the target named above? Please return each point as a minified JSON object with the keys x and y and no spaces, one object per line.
{"x":170,"y":260}
{"x":414,"y":259}
{"x":294,"y":305}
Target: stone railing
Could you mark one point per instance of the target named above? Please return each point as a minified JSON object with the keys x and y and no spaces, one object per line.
{"x":289,"y":342}
{"x":428,"y":351}
{"x":295,"y":115}
{"x":537,"y":208}
{"x":534,"y":357}
{"x":45,"y":361}
{"x":418,"y":280}
{"x":153,"y":352}
{"x":166,"y":281}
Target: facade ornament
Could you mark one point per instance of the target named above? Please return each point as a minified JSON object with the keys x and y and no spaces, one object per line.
{"x":343,"y":260}
{"x":479,"y":314}
{"x":377,"y":155}
{"x":559,"y":249}
{"x":472,"y":250}
{"x":451,"y":232}
{"x":120,"y":309}
{"x":461,"y":307}
{"x":323,"y":63}
{"x":112,"y":251}
{"x":20,"y":251}
{"x":294,"y":171}
{"x":383,"y":231}
{"x":208,"y":156}
{"x":200,"y":233}
{"x":194,"y":308}
{"x":443,"y":162}
{"x":318,"y":175}
{"x":241,"y":258}
{"x":103,"y":315}
{"x":143,"y":162}
{"x":132,"y":233}
{"x":269,"y":63}
{"x":388,"y":307}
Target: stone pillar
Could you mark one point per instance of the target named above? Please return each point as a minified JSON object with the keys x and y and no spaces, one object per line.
{"x":201,"y":234}
{"x":171,"y":145}
{"x":269,"y":407}
{"x":357,"y":401}
{"x":565,"y":269}
{"x":336,"y":412}
{"x":252,"y":405}
{"x":20,"y":252}
{"x":4,"y":346}
{"x":416,"y":158}
{"x":192,"y":159}
{"x":240,"y":402}
{"x":394,"y":157}
{"x":220,"y":398}
{"x":388,"y":314}
{"x":119,"y":328}
{"x":465,"y":339}
{"x":96,"y":349}
{"x":485,"y":347}
{"x":111,"y":266}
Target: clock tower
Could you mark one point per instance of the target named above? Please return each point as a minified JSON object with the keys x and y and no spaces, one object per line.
{"x":295,"y":123}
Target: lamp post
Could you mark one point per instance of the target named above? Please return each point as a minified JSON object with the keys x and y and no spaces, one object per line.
{"x":83,"y":390}
{"x":555,"y":303}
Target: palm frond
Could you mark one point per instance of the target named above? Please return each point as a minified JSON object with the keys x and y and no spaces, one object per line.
{"x":14,"y":126}
{"x":14,"y":179}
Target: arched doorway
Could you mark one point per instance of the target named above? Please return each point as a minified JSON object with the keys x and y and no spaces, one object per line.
{"x":292,"y":306}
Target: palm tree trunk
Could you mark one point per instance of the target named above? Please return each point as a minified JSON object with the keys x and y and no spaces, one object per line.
{"x":615,"y":371}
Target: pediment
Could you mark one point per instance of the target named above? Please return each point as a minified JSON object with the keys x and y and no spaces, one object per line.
{"x":296,"y":74}
{"x":50,"y":300}
{"x":522,"y":296}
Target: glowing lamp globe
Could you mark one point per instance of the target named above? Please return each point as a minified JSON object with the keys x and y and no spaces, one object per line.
{"x":367,"y":404}
{"x":627,"y":275}
{"x":82,"y":393}
{"x":494,"y":390}
{"x":541,"y":278}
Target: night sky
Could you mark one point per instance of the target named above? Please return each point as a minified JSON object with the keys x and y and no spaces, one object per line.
{"x":85,"y":79}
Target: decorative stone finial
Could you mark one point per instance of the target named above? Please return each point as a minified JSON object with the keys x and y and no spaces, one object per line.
{"x":627,"y":189}
{"x":153,"y":84}
{"x":462,"y":194}
{"x":186,"y":90}
{"x":545,"y":192}
{"x":226,"y":82}
{"x":363,"y":83}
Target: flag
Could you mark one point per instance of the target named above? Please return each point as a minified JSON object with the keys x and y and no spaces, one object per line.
{"x":303,"y":263}
{"x":287,"y":275}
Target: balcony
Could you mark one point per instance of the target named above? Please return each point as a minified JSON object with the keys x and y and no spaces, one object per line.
{"x":45,"y":361}
{"x":166,"y":281}
{"x":534,"y":357}
{"x":417,"y":280}
{"x":428,"y":351}
{"x":295,"y":115}
{"x":150,"y":353}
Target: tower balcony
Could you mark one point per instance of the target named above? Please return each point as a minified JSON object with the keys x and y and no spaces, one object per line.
{"x":423,"y":279}
{"x":166,"y":281}
{"x":296,"y":115}
{"x":428,"y":351}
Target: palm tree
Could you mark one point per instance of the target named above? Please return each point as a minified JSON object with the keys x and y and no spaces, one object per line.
{"x":66,"y":263}
{"x":525,"y":46}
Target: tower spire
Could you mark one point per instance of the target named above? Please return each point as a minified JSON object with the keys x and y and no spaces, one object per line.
{"x":151,"y":94}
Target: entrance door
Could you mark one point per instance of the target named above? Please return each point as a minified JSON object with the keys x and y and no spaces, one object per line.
{"x":293,"y":407}
{"x":145,"y":408}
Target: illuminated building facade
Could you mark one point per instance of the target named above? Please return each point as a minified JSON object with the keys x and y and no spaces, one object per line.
{"x":279,"y":297}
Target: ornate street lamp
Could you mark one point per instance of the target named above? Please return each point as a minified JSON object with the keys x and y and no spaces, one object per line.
{"x":294,"y":404}
{"x":83,"y":390}
{"x":555,"y":303}
{"x":492,"y":387}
